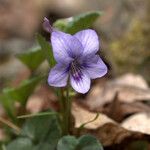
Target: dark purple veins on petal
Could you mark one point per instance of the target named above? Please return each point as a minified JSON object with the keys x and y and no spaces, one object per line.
{"x":76,"y":71}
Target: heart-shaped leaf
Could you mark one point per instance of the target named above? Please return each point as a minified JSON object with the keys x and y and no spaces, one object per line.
{"x":88,"y":142}
{"x":8,"y":106}
{"x":20,"y":144}
{"x":41,"y":132}
{"x":67,"y":143}
{"x":22,"y":92}
{"x":45,"y":128}
{"x":74,"y":24}
{"x":32,"y":58}
{"x":47,"y":50}
{"x":85,"y":142}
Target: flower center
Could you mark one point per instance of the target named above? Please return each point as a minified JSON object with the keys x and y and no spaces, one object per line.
{"x":76,"y":70}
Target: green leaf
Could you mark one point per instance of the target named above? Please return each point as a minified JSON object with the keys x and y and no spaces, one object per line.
{"x":32,"y":58}
{"x":44,"y":146}
{"x":42,"y":132}
{"x":2,"y":147}
{"x":37,"y":114}
{"x":77,"y":23}
{"x":61,"y":24}
{"x":20,"y":144}
{"x":9,"y":106}
{"x":46,"y":47}
{"x":67,"y":143}
{"x":22,"y":92}
{"x":42,"y":129}
{"x":27,"y":144}
{"x":86,"y":142}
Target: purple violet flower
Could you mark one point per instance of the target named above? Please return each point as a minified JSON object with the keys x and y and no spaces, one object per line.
{"x":76,"y":58}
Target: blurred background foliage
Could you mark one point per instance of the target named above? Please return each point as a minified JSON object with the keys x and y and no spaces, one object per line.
{"x":131,"y":53}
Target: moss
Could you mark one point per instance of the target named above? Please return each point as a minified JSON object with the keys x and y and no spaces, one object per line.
{"x":131,"y":53}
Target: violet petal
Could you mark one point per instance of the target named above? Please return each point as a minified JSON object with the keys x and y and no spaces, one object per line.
{"x":95,"y":70}
{"x":82,"y":83}
{"x":65,"y":47}
{"x":58,"y":76}
{"x":89,"y":40}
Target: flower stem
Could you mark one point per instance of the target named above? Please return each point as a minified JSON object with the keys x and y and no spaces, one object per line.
{"x":66,"y":113}
{"x":68,"y":109}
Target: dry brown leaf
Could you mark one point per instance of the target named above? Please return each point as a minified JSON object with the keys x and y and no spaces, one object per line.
{"x":139,"y":122}
{"x":35,"y":104}
{"x":105,"y":129}
{"x":119,"y":111}
{"x":132,"y":80}
{"x":129,"y":90}
{"x":114,"y":135}
{"x":42,"y":99}
{"x":82,"y":116}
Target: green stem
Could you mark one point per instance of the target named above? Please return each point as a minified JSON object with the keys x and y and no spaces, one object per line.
{"x":84,"y":124}
{"x":66,"y":110}
{"x":37,"y":115}
{"x":62,"y":105}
